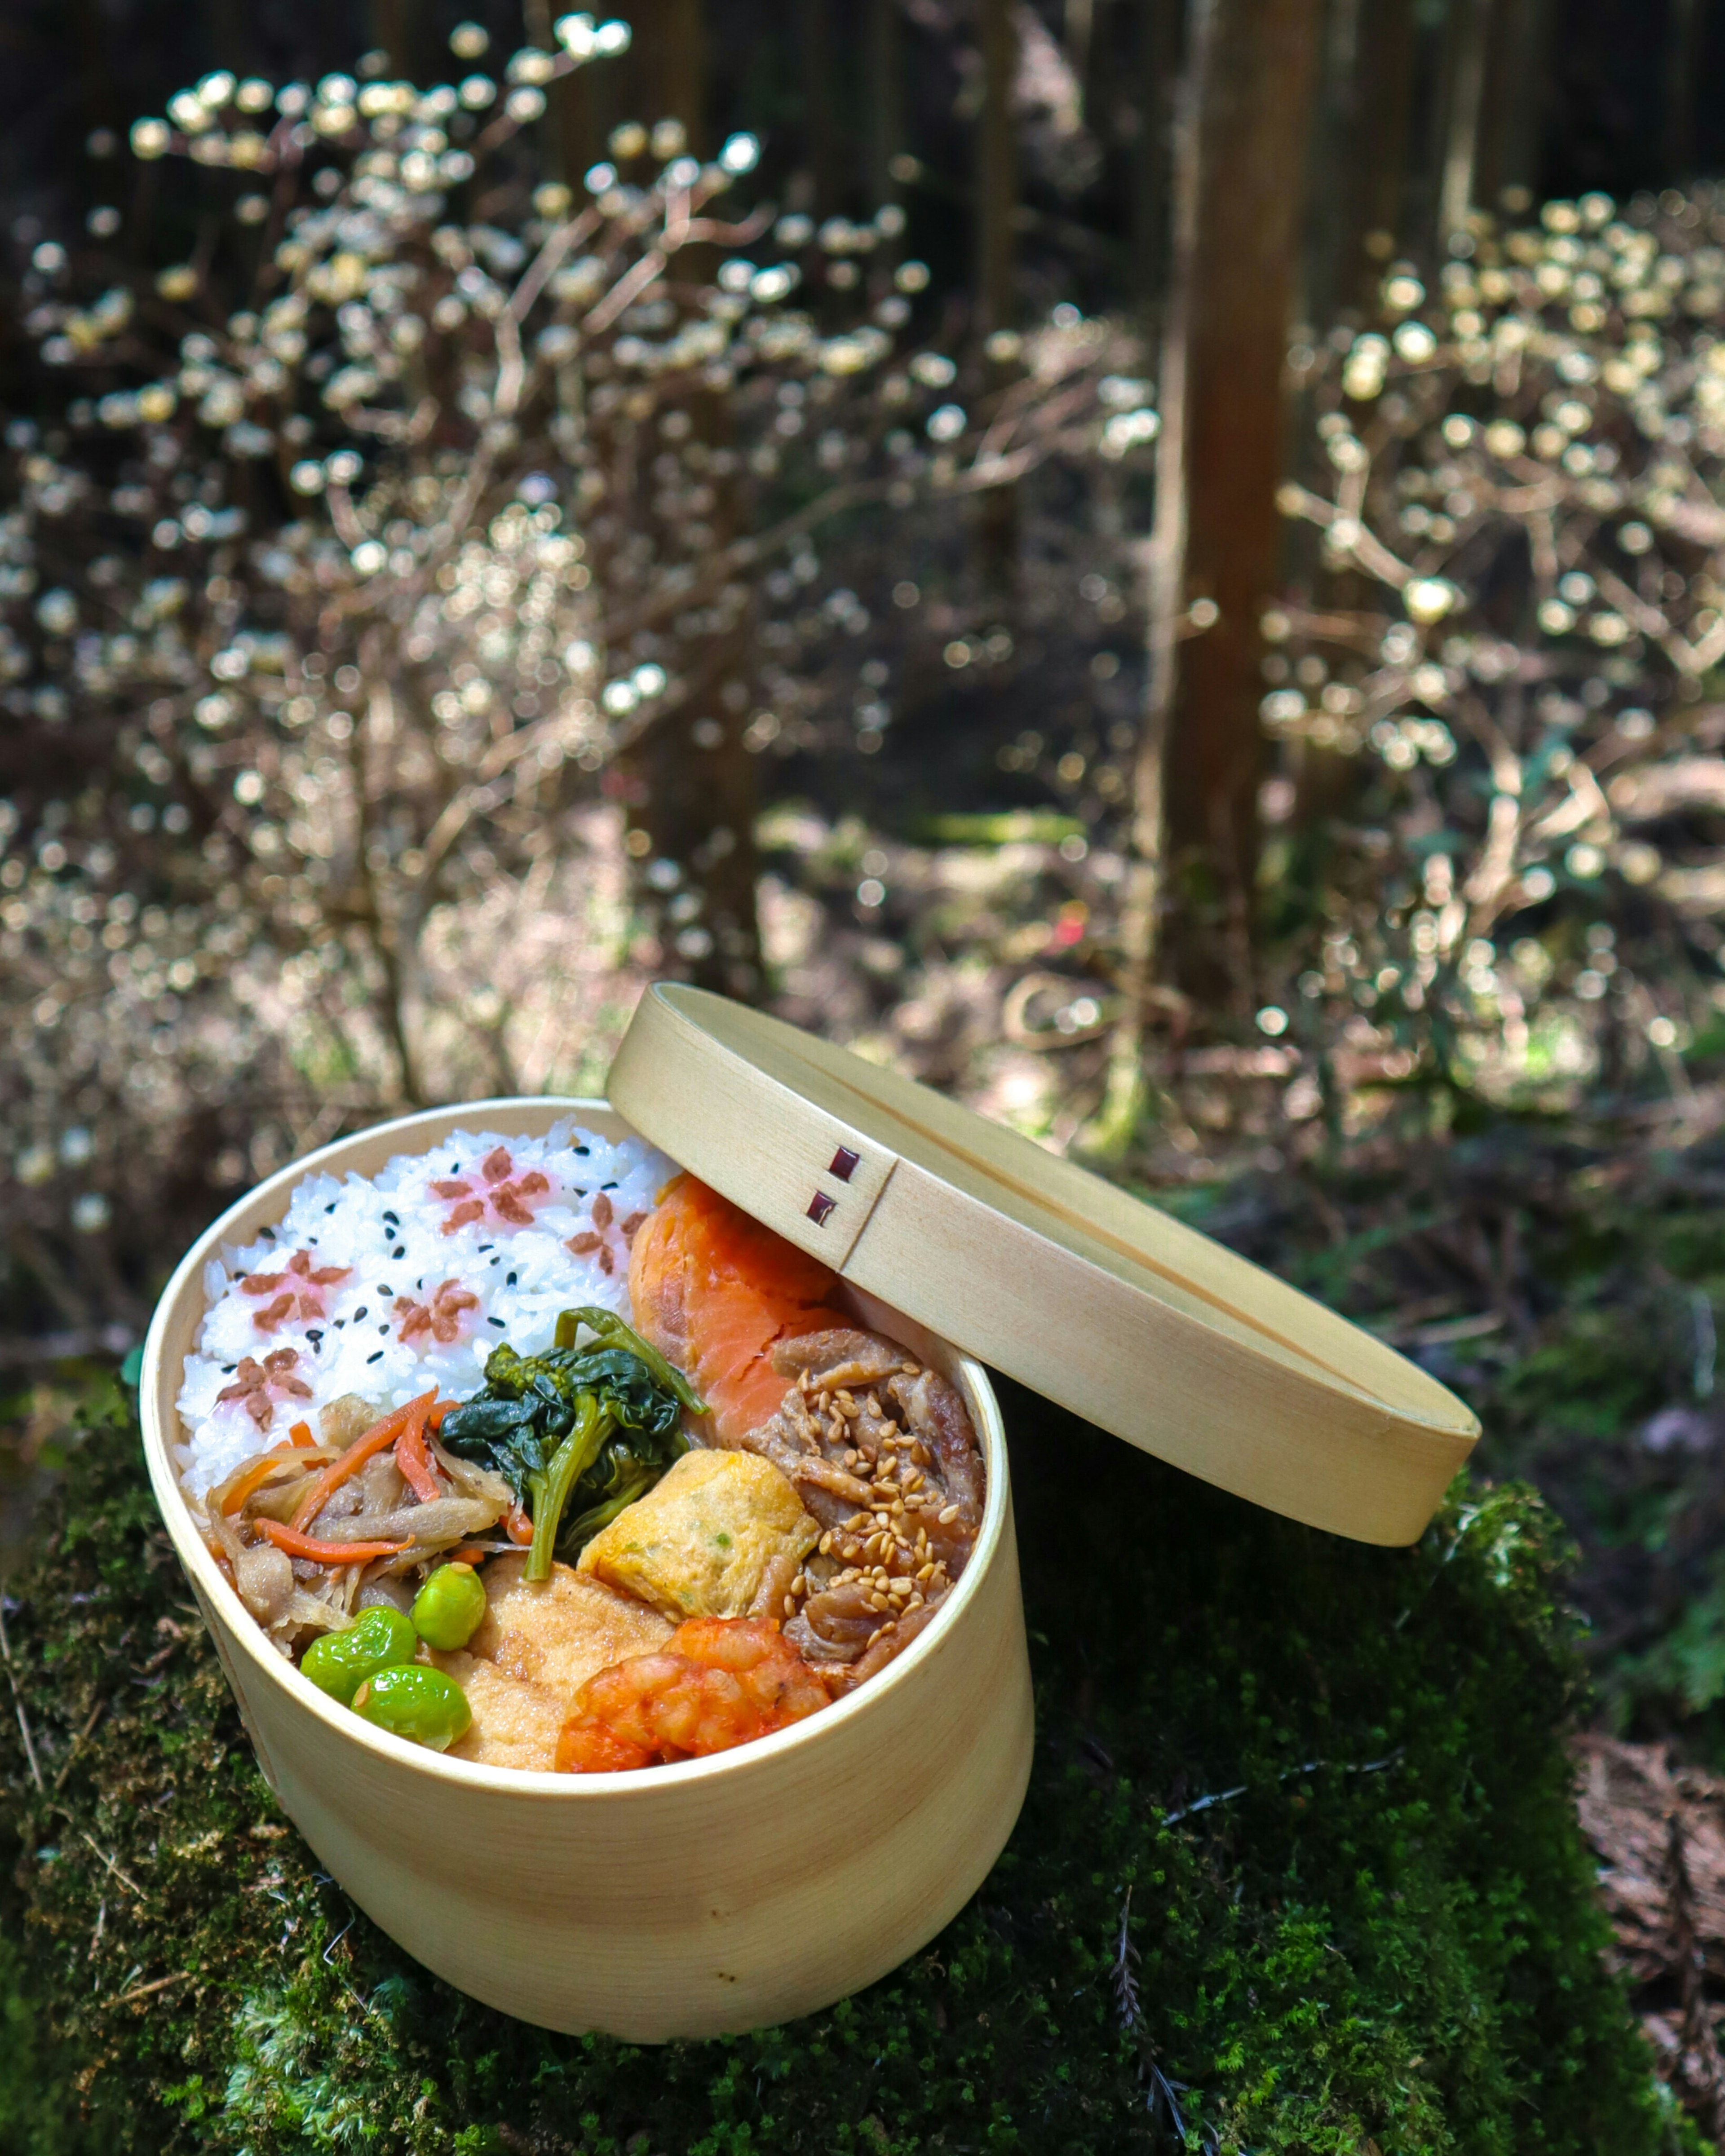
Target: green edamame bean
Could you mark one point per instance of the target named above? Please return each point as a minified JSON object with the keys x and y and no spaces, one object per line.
{"x":447,"y":1608}
{"x":416,"y":1701}
{"x":340,"y":1662}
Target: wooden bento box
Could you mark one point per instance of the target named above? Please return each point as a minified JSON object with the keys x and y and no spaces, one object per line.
{"x":721,"y":1894}
{"x":714,"y":1895}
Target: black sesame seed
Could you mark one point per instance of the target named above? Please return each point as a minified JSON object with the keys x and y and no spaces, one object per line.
{"x":400,"y":1253}
{"x":498,"y":1322}
{"x":378,"y":1358}
{"x":385,"y":1290}
{"x":509,"y":1280}
{"x":607,"y":1186}
{"x":339,"y":1323}
{"x":330,"y":1207}
{"x":267,"y":1233}
{"x":228,"y":1368}
{"x":363,"y":1311}
{"x":316,"y":1339}
{"x":484,"y":1247}
{"x":383,"y":1328}
{"x":583,"y":1151}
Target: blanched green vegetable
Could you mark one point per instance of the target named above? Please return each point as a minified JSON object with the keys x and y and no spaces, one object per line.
{"x":447,"y":1608}
{"x":340,"y":1662}
{"x":575,"y":1432}
{"x":415,"y":1702}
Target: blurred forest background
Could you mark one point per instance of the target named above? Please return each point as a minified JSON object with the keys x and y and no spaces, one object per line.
{"x":1161,"y":567}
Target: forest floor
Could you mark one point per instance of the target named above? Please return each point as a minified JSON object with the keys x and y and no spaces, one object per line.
{"x":1559,"y":1271}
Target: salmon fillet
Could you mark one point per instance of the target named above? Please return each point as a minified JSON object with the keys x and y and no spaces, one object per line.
{"x":714,"y":1291}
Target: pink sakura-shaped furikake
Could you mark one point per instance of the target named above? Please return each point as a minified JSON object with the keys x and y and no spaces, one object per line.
{"x":440,"y":1316}
{"x":499,"y":1191}
{"x":298,"y":1292}
{"x":598,"y":1239}
{"x":253,"y":1381}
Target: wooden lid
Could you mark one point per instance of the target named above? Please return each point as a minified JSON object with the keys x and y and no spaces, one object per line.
{"x":1047,"y":1272}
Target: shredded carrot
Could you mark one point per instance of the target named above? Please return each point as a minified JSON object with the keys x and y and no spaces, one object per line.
{"x":434,"y":1421}
{"x":517,"y":1526}
{"x":321,"y":1552}
{"x":255,"y":1477}
{"x":467,"y":1553}
{"x":414,"y":1458}
{"x":373,"y":1441}
{"x":300,"y":1434}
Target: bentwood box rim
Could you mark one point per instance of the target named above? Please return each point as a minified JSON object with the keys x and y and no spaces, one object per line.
{"x":1037,"y":1267}
{"x":159,"y":1387}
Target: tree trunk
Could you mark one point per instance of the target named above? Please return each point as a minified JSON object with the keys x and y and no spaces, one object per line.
{"x":1157,"y":41}
{"x":1685,"y":42}
{"x":820,"y":118}
{"x":1461,"y":132}
{"x":1383,"y":102}
{"x":885,"y":99}
{"x":691,"y":779}
{"x":1516,"y":95}
{"x":997,"y":205}
{"x":1334,"y":156}
{"x":1251,"y":169}
{"x":1144,"y":897}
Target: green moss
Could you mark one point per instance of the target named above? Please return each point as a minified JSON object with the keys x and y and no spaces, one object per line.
{"x":1298,"y":1857}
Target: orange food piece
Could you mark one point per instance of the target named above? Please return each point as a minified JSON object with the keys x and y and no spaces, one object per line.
{"x":320,"y":1551}
{"x":719,"y":1681}
{"x":713,"y":1289}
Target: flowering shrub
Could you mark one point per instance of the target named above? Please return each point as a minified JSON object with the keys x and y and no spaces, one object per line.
{"x":1514,"y":625}
{"x":391,"y":564}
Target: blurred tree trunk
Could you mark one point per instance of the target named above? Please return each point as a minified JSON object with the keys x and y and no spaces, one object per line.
{"x":1472,"y":30}
{"x":997,"y":207}
{"x":1334,"y":151}
{"x":1253,"y":111}
{"x":1357,"y":154}
{"x":663,"y":73}
{"x":1685,"y":44}
{"x":1157,"y":48}
{"x":820,"y":118}
{"x":1384,"y":103}
{"x":1512,"y":112}
{"x":1143,"y":900}
{"x":390,"y":35}
{"x":692,"y":782}
{"x":885,"y":99}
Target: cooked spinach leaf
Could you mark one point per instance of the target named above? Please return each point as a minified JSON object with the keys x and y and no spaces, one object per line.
{"x":603,"y":1422}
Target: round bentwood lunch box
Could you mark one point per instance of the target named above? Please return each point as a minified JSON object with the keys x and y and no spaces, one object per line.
{"x":724,"y":1893}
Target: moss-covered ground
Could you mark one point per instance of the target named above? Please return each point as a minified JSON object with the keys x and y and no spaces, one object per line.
{"x":1298,"y":1872}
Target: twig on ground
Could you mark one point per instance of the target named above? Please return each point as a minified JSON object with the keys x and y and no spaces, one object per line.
{"x":77,"y":1745}
{"x":144,"y":1991}
{"x":1125,"y":1981}
{"x":123,"y":1877}
{"x":1287,"y":1774}
{"x":17,"y":1702}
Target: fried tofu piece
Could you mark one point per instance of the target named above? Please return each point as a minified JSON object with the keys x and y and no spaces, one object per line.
{"x":719,"y":1534}
{"x":537,"y":1644}
{"x":559,"y":1632}
{"x":515,"y":1723}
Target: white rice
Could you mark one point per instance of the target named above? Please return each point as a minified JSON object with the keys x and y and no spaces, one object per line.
{"x":387,"y":1232}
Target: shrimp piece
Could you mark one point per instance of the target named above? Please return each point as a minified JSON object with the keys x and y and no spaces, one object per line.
{"x":720,"y":1681}
{"x":714,"y":1291}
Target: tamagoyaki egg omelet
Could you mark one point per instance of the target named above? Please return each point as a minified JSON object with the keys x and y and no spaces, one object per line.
{"x":721,"y":1535}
